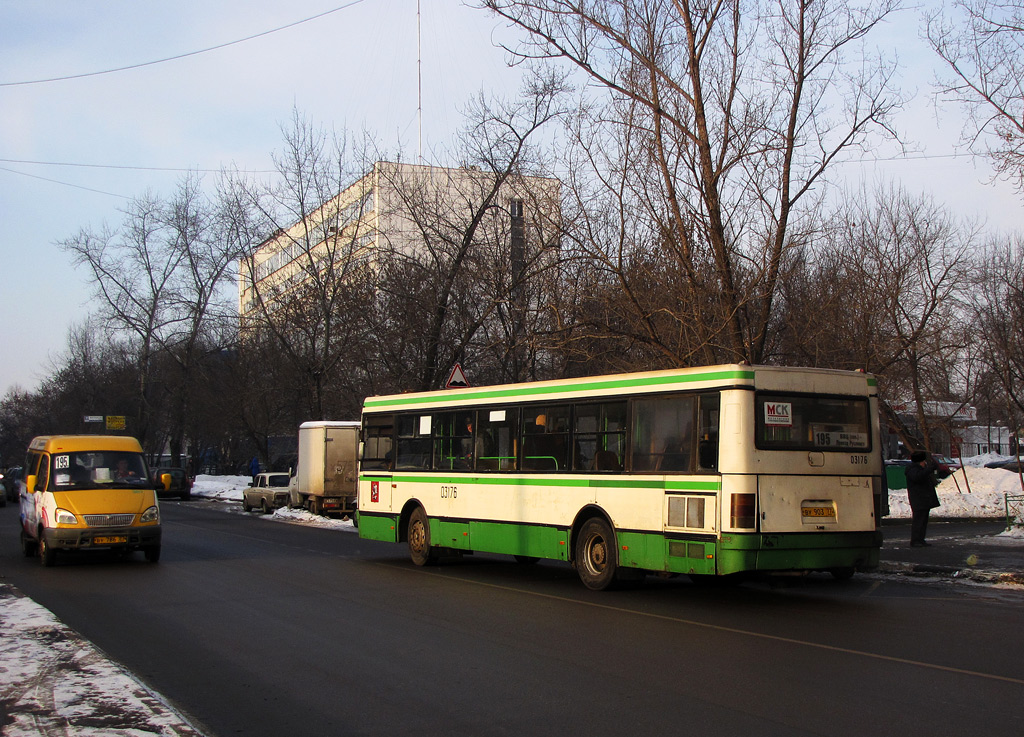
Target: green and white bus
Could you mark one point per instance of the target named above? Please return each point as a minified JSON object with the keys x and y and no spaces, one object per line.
{"x":706,"y":471}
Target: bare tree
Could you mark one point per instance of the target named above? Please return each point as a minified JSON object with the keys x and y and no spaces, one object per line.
{"x":133,"y":273}
{"x":982,"y":44}
{"x":721,"y":121}
{"x":304,"y":258}
{"x":469,"y":246}
{"x":160,"y":278}
{"x":999,"y":311}
{"x":884,"y":289}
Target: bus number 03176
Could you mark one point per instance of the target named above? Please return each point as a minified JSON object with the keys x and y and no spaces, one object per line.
{"x":449,"y":492}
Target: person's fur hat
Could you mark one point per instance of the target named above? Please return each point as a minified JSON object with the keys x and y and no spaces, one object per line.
{"x":917,"y":456}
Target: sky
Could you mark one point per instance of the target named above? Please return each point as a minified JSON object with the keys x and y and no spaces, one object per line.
{"x":74,"y":152}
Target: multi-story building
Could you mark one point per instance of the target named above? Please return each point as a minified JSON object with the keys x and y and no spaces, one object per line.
{"x":399,"y":208}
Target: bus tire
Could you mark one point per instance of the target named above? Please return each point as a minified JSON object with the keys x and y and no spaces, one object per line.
{"x":845,"y":573}
{"x":596,"y":561}
{"x":152,"y":553}
{"x":418,"y":536}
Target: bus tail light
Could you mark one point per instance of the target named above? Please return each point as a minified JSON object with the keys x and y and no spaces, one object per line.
{"x":743,"y":511}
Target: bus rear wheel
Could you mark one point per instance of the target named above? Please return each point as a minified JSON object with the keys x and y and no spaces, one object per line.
{"x":418,"y":537}
{"x":595,"y":555}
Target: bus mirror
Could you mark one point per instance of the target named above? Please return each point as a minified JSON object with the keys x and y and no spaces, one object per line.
{"x":359,"y":452}
{"x":165,"y":481}
{"x":30,"y":483}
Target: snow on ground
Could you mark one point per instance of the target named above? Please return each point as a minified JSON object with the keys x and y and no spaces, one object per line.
{"x":229,"y":489}
{"x":54,"y":682}
{"x":971,"y":492}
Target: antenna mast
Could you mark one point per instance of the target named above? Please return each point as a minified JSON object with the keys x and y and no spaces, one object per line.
{"x":419,"y":83}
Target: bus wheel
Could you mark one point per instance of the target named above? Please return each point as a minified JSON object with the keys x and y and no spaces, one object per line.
{"x":595,"y":555}
{"x":842,"y":574}
{"x":152,"y":553}
{"x":46,"y":552}
{"x":418,"y":535}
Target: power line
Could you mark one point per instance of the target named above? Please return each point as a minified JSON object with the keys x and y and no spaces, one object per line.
{"x":66,"y":184}
{"x":126,"y":167}
{"x":185,"y":55}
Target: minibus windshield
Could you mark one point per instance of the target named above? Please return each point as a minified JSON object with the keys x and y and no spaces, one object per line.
{"x":97,"y":469}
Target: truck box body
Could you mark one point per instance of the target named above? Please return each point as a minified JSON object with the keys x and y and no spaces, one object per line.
{"x":325,"y":480}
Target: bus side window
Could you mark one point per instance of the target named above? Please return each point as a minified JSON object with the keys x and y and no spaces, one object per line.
{"x":453,"y":441}
{"x":599,"y":434}
{"x":414,"y":442}
{"x":498,"y":427}
{"x":707,"y":432}
{"x":663,"y":434}
{"x":546,"y":438}
{"x":378,"y":451}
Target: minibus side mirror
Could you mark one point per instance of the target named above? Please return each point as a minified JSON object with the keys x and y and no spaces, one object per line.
{"x":30,"y":483}
{"x":165,"y":481}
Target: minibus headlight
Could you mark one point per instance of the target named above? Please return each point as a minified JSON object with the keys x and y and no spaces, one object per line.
{"x":150,"y":515}
{"x":64,"y":517}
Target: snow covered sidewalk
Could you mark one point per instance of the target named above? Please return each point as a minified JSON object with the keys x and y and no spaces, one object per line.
{"x":53,"y":682}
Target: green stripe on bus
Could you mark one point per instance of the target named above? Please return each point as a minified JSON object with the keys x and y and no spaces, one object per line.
{"x":582,"y":482}
{"x":464,"y":396}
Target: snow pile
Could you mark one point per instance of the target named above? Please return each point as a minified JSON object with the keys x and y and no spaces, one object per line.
{"x":57,"y":683}
{"x":223,"y":488}
{"x":981,"y":494}
{"x":230,"y":488}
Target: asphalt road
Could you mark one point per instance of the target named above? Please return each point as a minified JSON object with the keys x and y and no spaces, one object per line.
{"x":253,"y":627}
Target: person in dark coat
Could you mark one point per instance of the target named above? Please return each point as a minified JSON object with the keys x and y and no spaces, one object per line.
{"x":921,"y":483}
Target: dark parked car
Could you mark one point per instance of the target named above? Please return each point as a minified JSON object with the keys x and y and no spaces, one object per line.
{"x":10,"y":483}
{"x":181,"y":483}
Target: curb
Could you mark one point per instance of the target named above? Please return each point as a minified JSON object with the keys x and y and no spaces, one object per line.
{"x":970,"y":574}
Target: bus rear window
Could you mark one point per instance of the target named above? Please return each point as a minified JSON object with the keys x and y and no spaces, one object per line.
{"x":801,"y":422}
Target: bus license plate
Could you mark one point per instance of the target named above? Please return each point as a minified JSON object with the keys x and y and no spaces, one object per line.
{"x":109,"y":540}
{"x":818,"y":512}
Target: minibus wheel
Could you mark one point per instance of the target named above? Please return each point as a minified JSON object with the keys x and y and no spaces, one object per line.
{"x":28,"y":546}
{"x":46,"y":552}
{"x":152,"y":553}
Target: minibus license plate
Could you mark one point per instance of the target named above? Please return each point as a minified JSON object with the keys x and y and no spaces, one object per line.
{"x":818,"y":512}
{"x":109,"y":540}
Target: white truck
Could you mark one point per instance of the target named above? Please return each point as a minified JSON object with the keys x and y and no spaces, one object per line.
{"x":327,"y":473}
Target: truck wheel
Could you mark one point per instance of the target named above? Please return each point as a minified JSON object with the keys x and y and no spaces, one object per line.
{"x":46,"y":552}
{"x":418,"y":536}
{"x":314,"y":505}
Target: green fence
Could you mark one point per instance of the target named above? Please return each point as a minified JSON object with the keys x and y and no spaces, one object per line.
{"x":1014,"y":509}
